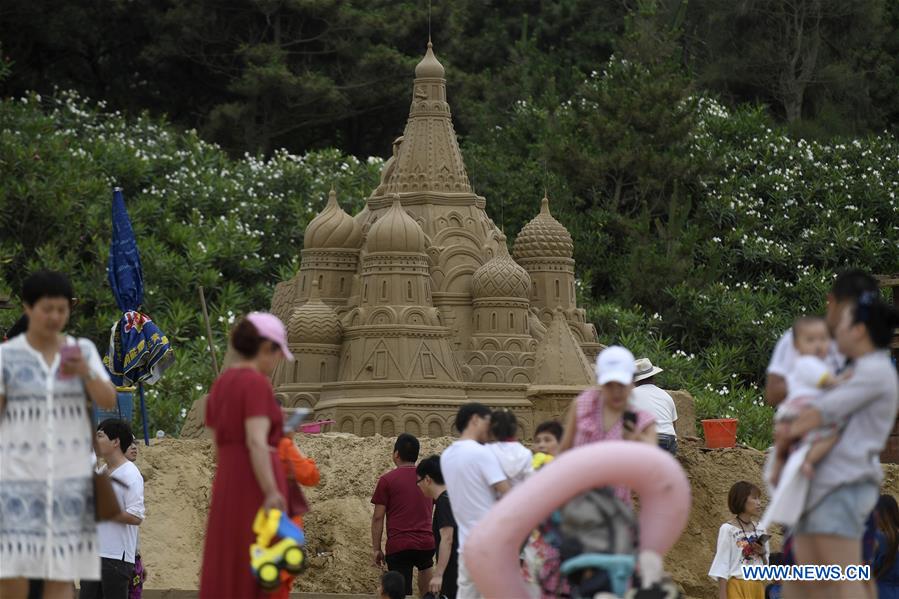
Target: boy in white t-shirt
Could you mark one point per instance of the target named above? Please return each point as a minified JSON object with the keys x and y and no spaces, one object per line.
{"x":474,"y":479}
{"x":117,"y":537}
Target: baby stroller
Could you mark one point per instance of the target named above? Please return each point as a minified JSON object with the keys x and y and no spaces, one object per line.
{"x":596,"y":536}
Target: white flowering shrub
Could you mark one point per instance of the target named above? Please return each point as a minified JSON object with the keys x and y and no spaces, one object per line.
{"x":700,"y":233}
{"x":775,"y":220}
{"x":234,"y":226}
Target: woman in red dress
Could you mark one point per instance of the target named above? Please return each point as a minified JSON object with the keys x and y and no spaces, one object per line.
{"x":247,"y":423}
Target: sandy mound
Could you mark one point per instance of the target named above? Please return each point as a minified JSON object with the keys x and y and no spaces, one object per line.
{"x":179,"y":474}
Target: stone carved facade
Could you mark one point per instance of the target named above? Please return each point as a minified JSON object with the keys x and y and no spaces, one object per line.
{"x":414,"y":307}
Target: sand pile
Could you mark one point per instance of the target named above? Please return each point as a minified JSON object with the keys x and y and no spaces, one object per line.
{"x":179,"y":475}
{"x":179,"y":478}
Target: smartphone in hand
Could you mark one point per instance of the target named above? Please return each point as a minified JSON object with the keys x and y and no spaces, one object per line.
{"x":630,"y":421}
{"x":67,"y":353}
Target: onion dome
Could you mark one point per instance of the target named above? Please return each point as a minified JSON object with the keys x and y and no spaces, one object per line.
{"x":429,"y":67}
{"x":543,"y":237}
{"x":396,"y":231}
{"x":332,"y":228}
{"x":314,"y":322}
{"x":501,"y":276}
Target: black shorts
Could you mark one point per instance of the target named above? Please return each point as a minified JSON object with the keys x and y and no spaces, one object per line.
{"x":404,"y":561}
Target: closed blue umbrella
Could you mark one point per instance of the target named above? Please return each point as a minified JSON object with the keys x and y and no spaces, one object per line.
{"x":138,"y":351}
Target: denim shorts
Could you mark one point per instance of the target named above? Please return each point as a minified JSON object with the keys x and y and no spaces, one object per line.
{"x":842,"y":512}
{"x":667,"y":442}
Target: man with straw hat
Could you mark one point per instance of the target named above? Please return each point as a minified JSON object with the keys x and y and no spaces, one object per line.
{"x":650,"y":398}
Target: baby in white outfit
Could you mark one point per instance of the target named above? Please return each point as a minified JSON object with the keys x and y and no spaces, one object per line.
{"x":806,"y":381}
{"x":515,"y":459}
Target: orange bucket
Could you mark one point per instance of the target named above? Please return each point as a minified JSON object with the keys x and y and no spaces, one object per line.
{"x":720,"y":432}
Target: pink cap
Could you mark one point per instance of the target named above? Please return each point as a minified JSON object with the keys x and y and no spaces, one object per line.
{"x":270,"y":327}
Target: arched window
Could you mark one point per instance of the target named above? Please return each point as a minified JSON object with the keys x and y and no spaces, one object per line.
{"x":477,"y":322}
{"x":322,"y":369}
{"x":493,"y":321}
{"x":321,"y":280}
{"x":409,"y":290}
{"x":365,"y":293}
{"x":511,"y":322}
{"x":341,"y":284}
{"x":383,"y":290}
{"x":557,"y":289}
{"x":303,"y":283}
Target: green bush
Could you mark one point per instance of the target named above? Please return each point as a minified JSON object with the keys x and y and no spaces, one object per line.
{"x":201,"y":218}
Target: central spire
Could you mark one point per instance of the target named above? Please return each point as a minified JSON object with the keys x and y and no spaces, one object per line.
{"x":428,"y":159}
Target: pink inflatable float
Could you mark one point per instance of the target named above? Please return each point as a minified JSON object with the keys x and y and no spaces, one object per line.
{"x":492,"y":550}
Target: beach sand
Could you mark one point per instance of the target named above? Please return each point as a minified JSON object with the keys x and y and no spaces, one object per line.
{"x":179,"y":477}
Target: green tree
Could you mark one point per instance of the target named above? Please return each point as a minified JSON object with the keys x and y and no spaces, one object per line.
{"x":283,"y":72}
{"x":624,"y":144}
{"x":807,"y":59}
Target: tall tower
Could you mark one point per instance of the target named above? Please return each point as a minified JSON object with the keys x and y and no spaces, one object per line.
{"x":428,"y":174}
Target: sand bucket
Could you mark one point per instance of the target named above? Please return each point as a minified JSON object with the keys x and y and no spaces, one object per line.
{"x":720,"y":432}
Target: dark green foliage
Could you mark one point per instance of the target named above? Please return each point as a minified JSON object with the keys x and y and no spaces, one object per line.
{"x":260,"y":75}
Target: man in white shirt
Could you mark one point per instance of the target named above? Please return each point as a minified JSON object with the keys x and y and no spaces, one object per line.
{"x":647,"y":397}
{"x":117,"y":537}
{"x":474,"y":480}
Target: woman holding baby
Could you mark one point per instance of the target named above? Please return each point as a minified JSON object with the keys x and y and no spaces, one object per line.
{"x":845,"y":483}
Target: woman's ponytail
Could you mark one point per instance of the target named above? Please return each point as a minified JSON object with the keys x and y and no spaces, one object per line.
{"x":880,"y":318}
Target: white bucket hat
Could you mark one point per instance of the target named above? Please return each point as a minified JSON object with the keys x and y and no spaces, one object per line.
{"x":645,"y":369}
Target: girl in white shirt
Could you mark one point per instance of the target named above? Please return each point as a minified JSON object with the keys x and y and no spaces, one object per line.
{"x":741,"y":542}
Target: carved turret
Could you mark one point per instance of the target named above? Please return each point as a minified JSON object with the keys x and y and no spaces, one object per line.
{"x":544,"y":248}
{"x":330,"y":255}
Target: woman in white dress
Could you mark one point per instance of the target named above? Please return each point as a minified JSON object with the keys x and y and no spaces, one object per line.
{"x":47,"y":527}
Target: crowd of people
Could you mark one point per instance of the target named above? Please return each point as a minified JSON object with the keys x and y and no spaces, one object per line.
{"x":831,"y":378}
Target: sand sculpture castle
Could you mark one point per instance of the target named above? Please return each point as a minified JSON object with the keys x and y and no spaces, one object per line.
{"x":414,"y":306}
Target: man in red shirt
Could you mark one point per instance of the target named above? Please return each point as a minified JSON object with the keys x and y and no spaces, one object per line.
{"x":410,"y":542}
